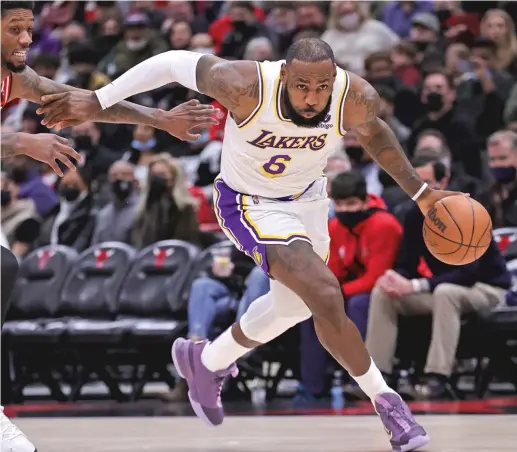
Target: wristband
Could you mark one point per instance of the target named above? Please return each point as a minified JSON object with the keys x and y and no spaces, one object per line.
{"x":419,"y":192}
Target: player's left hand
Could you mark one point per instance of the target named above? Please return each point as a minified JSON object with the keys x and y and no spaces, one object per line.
{"x":430,"y":197}
{"x":186,"y":120}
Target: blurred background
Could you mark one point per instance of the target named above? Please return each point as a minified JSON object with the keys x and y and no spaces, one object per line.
{"x":124,"y":255}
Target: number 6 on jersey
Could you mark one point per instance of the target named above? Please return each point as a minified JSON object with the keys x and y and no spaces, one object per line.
{"x":275,"y":166}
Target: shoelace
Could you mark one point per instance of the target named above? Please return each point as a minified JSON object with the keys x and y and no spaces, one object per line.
{"x":398,"y":413}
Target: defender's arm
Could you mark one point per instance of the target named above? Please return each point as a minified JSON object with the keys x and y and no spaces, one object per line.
{"x":29,"y":85}
{"x":376,"y":137}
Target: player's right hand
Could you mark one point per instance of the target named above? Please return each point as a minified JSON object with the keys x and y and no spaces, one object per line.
{"x":48,"y":148}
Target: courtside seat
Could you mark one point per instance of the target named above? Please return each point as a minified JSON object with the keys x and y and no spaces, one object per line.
{"x":35,"y":304}
{"x":150,"y":297}
{"x":90,"y":294}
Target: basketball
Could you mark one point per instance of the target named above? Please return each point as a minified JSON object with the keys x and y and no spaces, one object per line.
{"x":457,"y":230}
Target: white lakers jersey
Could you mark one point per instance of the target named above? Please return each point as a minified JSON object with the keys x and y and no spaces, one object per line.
{"x":267,"y":155}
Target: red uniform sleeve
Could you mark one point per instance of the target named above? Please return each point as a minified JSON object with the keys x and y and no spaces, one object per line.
{"x":383,"y":238}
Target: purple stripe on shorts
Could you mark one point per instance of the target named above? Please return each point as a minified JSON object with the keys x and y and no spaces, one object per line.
{"x":228,"y":210}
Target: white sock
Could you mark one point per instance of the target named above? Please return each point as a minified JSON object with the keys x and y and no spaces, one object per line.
{"x":222,"y":352}
{"x":372,"y":382}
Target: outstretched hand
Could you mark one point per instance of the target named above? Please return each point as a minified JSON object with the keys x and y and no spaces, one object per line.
{"x":186,"y":120}
{"x":47,"y":148}
{"x":68,"y":109}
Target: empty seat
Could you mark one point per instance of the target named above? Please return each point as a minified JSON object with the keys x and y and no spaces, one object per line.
{"x":151,"y":294}
{"x":37,"y":293}
{"x":91,"y":290}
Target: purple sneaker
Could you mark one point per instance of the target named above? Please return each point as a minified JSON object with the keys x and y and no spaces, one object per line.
{"x":404,"y":432}
{"x":204,"y":386}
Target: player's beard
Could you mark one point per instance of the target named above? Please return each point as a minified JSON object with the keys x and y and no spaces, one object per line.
{"x":12,"y":67}
{"x":300,"y":120}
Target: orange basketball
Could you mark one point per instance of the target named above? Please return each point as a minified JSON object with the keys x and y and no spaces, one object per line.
{"x":457,"y":230}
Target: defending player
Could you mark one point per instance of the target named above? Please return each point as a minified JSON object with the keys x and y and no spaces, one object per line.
{"x":19,"y":81}
{"x":286,"y":118}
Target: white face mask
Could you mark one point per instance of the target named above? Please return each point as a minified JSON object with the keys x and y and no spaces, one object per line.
{"x":349,"y":21}
{"x":136,"y":44}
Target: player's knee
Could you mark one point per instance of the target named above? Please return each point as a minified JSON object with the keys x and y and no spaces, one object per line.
{"x":330,"y":302}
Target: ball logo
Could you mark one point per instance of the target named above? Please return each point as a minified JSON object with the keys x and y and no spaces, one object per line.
{"x":440,"y":225}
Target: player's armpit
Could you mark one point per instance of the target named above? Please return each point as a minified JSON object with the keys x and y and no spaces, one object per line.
{"x":31,"y":86}
{"x":376,"y":137}
{"x":235,"y":84}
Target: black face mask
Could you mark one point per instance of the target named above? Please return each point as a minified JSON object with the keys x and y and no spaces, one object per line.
{"x":19,"y":174}
{"x":122,"y":188}
{"x":443,"y":15}
{"x":240,"y":25}
{"x":421,"y":46}
{"x":355,"y":153}
{"x":157,"y":188}
{"x":83,"y":143}
{"x":504,"y":174}
{"x":69,"y":193}
{"x":351,"y":219}
{"x":434,"y":102}
{"x":5,"y":198}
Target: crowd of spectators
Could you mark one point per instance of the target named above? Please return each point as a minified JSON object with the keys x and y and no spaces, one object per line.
{"x":446,"y":72}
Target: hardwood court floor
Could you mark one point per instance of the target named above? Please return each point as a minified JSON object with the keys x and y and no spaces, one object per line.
{"x":449,"y":433}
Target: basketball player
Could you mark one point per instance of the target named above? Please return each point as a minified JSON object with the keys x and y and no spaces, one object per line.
{"x":19,"y":81}
{"x":286,"y":118}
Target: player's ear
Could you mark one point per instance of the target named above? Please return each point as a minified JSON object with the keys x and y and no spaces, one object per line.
{"x":283,"y":74}
{"x":334,"y":74}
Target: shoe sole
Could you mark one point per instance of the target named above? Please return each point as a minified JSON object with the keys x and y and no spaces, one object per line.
{"x":185,"y":373}
{"x":413,"y":444}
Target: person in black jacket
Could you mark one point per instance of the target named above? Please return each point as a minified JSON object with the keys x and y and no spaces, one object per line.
{"x":449,"y":293}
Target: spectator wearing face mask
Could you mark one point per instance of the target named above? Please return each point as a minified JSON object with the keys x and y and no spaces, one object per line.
{"x":424,"y":34}
{"x":502,"y":160}
{"x":437,"y":96}
{"x":353,"y":35}
{"x":140,"y":42}
{"x":116,"y":219}
{"x":23,"y":172}
{"x":484,"y":89}
{"x":336,"y":164}
{"x":83,"y":60}
{"x":281,"y":20}
{"x":362,"y":162}
{"x":20,"y":222}
{"x":73,"y":220}
{"x":245,"y":27}
{"x":364,"y":242}
{"x":166,"y":210}
{"x":87,"y":141}
{"x":143,"y":149}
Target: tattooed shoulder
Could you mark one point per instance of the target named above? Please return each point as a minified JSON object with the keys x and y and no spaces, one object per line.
{"x":233,"y":83}
{"x":362,"y":102}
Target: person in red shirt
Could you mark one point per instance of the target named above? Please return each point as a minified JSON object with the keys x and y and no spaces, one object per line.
{"x":364,"y":242}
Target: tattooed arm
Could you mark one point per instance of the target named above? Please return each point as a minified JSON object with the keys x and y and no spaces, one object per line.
{"x":29,"y":85}
{"x":376,"y":137}
{"x":235,"y":84}
{"x":10,"y":143}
